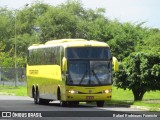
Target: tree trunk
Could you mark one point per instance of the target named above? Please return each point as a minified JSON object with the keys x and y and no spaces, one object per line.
{"x":138,"y":94}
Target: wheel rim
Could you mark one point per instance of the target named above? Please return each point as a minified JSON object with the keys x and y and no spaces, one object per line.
{"x":35,"y":98}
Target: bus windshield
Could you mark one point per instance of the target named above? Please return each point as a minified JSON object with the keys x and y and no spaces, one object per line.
{"x":88,"y":53}
{"x":89,"y":73}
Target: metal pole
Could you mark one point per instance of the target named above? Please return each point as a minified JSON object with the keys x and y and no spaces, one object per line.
{"x":0,"y":75}
{"x":15,"y":64}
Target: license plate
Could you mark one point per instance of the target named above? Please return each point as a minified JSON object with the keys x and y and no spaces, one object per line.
{"x":90,"y":97}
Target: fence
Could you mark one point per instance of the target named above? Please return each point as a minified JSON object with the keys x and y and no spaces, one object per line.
{"x":13,"y":76}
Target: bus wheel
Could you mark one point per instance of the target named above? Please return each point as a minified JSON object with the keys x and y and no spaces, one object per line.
{"x":36,"y":97}
{"x":100,"y":103}
{"x":33,"y":92}
{"x":76,"y":103}
{"x":37,"y":100}
{"x":43,"y":101}
{"x":63,"y":103}
{"x":73,"y":103}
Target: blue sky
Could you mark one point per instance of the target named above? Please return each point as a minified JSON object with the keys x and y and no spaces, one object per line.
{"x":134,"y":11}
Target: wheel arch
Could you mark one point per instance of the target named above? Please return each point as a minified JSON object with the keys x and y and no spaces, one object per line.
{"x":58,"y":93}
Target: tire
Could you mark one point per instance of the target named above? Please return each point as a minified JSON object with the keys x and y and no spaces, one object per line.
{"x":100,"y":103}
{"x":37,"y":100}
{"x":43,"y":101}
{"x":73,"y":103}
{"x":63,"y":103}
{"x":33,"y":91}
{"x":36,"y":97}
{"x":76,"y":103}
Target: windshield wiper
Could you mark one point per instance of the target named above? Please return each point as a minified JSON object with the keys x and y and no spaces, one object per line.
{"x":83,"y":78}
{"x":69,"y":79}
{"x":96,"y":77}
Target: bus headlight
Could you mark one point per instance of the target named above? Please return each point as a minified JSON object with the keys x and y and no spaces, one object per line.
{"x":107,"y":91}
{"x":73,"y":91}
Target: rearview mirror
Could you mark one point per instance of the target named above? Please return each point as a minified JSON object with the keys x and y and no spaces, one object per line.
{"x":115,"y":64}
{"x":64,"y":64}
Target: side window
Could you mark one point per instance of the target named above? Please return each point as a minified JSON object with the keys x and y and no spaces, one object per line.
{"x":34,"y":57}
{"x":38,"y":55}
{"x":62,"y":55}
{"x":46,"y":56}
{"x":29,"y":57}
{"x":53,"y":55}
{"x":49,"y":56}
{"x":57,"y":55}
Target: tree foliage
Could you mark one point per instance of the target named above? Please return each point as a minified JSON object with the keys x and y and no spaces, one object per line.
{"x":140,"y":73}
{"x":41,"y":22}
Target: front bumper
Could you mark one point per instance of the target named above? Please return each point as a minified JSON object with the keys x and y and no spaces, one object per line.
{"x":88,"y":97}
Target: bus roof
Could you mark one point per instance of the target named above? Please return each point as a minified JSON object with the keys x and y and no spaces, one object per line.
{"x":69,"y":43}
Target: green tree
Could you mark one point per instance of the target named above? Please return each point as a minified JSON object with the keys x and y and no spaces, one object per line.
{"x":124,"y":38}
{"x":26,"y":19}
{"x":41,"y":22}
{"x":152,"y":43}
{"x":140,"y":73}
{"x":6,"y":27}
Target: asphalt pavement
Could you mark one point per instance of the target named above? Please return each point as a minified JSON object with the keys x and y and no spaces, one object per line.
{"x":18,"y":107}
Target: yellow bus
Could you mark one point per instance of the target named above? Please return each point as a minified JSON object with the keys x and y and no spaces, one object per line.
{"x":71,"y":71}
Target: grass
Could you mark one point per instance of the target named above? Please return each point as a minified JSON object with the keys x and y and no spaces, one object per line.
{"x":150,"y":104}
{"x":119,"y":96}
{"x":125,"y":97}
{"x":11,"y":90}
